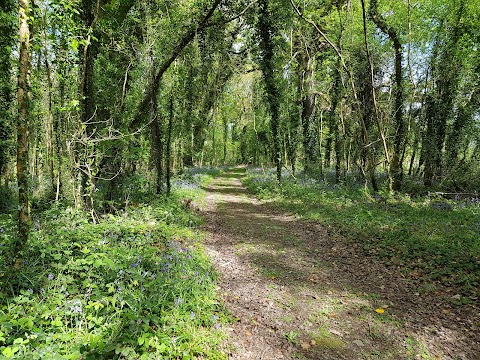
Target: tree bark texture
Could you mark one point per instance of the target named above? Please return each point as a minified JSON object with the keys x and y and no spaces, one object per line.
{"x":266,"y":63}
{"x":168,"y":154}
{"x":396,"y":168}
{"x":440,"y":103}
{"x":157,"y":145}
{"x":7,"y":40}
{"x":23,"y":96}
{"x":307,"y":69}
{"x":87,"y":56}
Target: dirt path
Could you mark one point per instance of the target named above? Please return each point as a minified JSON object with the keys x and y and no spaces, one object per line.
{"x":299,"y":292}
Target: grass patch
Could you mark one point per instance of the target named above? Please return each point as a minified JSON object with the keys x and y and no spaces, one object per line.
{"x":434,"y":239}
{"x":322,"y":338}
{"x":134,"y":286}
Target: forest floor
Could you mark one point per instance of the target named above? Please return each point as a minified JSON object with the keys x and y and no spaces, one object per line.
{"x":301,"y":291}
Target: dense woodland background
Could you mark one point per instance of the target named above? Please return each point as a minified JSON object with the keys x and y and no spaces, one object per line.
{"x":106,"y":106}
{"x":127,"y":92}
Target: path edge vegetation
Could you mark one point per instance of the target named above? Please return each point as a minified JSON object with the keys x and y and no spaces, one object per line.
{"x":432,"y":240}
{"x":115,"y":92}
{"x":136,"y":284}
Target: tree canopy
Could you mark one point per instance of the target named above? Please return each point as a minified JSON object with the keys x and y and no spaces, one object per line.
{"x":384,"y":92}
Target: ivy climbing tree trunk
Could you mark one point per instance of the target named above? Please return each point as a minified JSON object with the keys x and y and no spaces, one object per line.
{"x":455,"y":141}
{"x":7,"y":39}
{"x":369,"y":109}
{"x":87,"y":54}
{"x":396,"y":169}
{"x":333,"y":127}
{"x":157,"y":144}
{"x":187,"y":156}
{"x":306,"y":76}
{"x":23,"y":94}
{"x":49,"y":129}
{"x":440,"y":103}
{"x":266,"y":64}
{"x":168,"y":154}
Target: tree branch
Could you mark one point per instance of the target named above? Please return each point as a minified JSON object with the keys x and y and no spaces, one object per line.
{"x":152,"y":90}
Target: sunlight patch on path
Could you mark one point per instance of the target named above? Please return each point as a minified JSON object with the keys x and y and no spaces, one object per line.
{"x":290,"y":304}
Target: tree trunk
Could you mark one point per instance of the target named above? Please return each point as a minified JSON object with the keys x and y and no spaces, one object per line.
{"x":85,"y":150}
{"x":157,"y":146}
{"x":188,"y":122}
{"x":49,"y":129}
{"x":333,"y":121}
{"x":465,"y":112}
{"x":23,"y":94}
{"x":59,"y":126}
{"x":267,"y":65}
{"x":168,"y":154}
{"x":306,"y":83}
{"x":440,"y":104}
{"x":225,"y":137}
{"x":396,"y":168}
{"x":7,"y":40}
{"x":368,"y":112}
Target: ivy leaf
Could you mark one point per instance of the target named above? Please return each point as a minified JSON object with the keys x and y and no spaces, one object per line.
{"x":74,"y":45}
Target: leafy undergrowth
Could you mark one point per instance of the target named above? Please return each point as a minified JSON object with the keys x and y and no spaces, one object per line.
{"x":134,"y":286}
{"x":434,"y":239}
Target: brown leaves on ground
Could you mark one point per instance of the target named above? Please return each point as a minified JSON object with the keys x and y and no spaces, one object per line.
{"x":300,"y":290}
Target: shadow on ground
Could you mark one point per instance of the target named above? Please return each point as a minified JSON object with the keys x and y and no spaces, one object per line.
{"x":322,"y":296}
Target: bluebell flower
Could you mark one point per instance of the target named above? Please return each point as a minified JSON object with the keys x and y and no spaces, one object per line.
{"x":50,"y":277}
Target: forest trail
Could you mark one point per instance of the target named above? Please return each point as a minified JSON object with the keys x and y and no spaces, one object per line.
{"x":299,"y":291}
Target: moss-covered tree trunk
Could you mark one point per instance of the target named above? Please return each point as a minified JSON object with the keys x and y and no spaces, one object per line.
{"x":396,"y":168}
{"x":267,"y":65}
{"x":168,"y":149}
{"x":440,"y":103}
{"x":306,"y":75}
{"x":333,"y":128}
{"x":23,"y":94}
{"x":157,"y":145}
{"x":7,"y":39}
{"x":85,"y":149}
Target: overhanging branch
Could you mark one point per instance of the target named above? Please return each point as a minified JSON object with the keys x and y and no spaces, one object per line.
{"x":152,"y":89}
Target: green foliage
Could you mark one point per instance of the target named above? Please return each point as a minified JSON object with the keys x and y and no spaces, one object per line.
{"x":135,"y":285}
{"x":8,"y":199}
{"x":436,"y":237}
{"x":7,"y":40}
